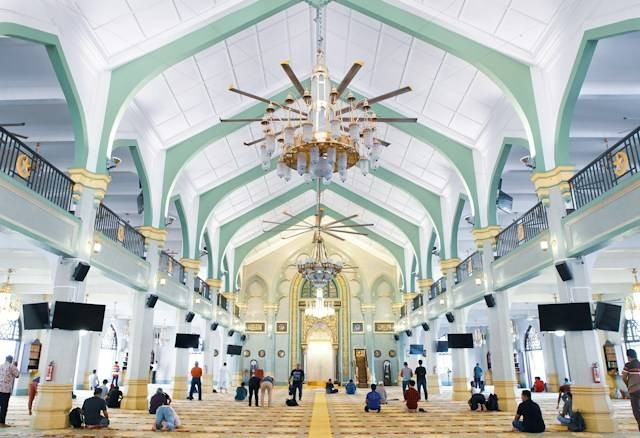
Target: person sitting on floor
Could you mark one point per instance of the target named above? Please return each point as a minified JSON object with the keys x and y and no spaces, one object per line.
{"x":114,"y":397}
{"x":532,"y":421}
{"x":158,"y":399}
{"x":380,"y":389}
{"x":104,"y":389}
{"x":477,"y":400}
{"x":567,"y":412}
{"x":166,"y":419}
{"x":411,"y":397}
{"x":538,"y":385}
{"x":91,"y":409}
{"x":328,"y":387}
{"x":350,"y":387}
{"x":372,"y":402}
{"x":241,"y":392}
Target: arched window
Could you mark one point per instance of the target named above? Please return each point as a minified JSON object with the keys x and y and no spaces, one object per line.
{"x":110,"y":339}
{"x":534,"y":355}
{"x":309,"y":292}
{"x":631,"y":333}
{"x":532,"y":340}
{"x":10,"y":335}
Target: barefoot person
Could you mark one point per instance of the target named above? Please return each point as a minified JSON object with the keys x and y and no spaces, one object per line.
{"x":8,"y":374}
{"x":91,"y":409}
{"x":531,"y":415}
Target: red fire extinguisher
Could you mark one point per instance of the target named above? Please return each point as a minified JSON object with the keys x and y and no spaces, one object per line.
{"x":595,"y":372}
{"x":50,"y":369}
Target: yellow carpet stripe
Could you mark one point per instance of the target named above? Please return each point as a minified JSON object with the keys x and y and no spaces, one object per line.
{"x":320,"y":425}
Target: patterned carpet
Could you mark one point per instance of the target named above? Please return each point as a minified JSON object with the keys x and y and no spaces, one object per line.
{"x":220,"y":415}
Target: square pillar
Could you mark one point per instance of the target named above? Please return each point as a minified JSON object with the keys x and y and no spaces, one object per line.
{"x":459,"y":363}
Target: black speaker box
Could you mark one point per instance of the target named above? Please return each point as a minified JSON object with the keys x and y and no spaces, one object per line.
{"x":243,"y":338}
{"x":214,"y":326}
{"x":396,"y":337}
{"x":408,"y":333}
{"x":81,"y":271}
{"x":450,"y":317}
{"x":564,"y":271}
{"x":490,"y":300}
{"x":425,"y":326}
{"x":152,"y":300}
{"x":231,"y":332}
{"x":189,"y":317}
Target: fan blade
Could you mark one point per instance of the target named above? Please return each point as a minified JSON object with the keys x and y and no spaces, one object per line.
{"x":350,"y":226}
{"x":294,"y":235}
{"x":292,"y":77}
{"x":255,"y":120}
{"x":376,"y":99}
{"x":293,"y":217}
{"x":19,"y":135}
{"x":349,"y":232}
{"x":264,"y":221}
{"x":349,"y":77}
{"x":12,"y":124}
{"x":341,"y":220}
{"x":267,"y":101}
{"x":397,"y":119}
{"x":333,"y":235}
{"x":382,"y":142}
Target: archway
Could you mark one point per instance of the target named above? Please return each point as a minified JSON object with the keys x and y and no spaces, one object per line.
{"x":108,"y":352}
{"x":320,"y":353}
{"x":10,"y":336}
{"x":534,"y":355}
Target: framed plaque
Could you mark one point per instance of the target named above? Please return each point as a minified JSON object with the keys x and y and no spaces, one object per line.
{"x":384,"y":326}
{"x":282,"y":327}
{"x":254,"y":327}
{"x":357,"y":327}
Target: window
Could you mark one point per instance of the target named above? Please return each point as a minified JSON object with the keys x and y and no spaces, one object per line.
{"x":329,"y":291}
{"x":532,"y":340}
{"x":10,"y":335}
{"x":110,"y":339}
{"x":631,"y":333}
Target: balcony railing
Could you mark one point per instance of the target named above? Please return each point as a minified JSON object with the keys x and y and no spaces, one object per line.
{"x":608,"y":170}
{"x":525,"y":228}
{"x":222,"y":301}
{"x":403,"y":311}
{"x":469,"y":266}
{"x":417,"y":302}
{"x":172,"y":267}
{"x":21,"y":163}
{"x":202,"y":288}
{"x":116,"y":229}
{"x":437,"y":288}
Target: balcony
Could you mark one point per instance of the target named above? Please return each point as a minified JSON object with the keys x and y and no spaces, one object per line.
{"x":202,"y":288}
{"x":172,"y":267}
{"x":417,"y":302}
{"x":438,"y":288}
{"x":525,"y":228}
{"x":221,"y":301}
{"x":116,"y":229}
{"x":469,"y":266}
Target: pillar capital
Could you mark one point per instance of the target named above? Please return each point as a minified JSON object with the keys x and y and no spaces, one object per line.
{"x":449,"y":265}
{"x":192,"y":264}
{"x":558,"y":176}
{"x":368,"y":308}
{"x":409,"y":296}
{"x":85,"y":179}
{"x":424,"y":284}
{"x":486,"y":234}
{"x":152,"y":233}
{"x":397,"y":306}
{"x":214,"y":283}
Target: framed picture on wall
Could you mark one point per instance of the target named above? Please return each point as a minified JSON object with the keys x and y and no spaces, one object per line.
{"x":384,"y":326}
{"x":357,"y":327}
{"x":282,"y":327}
{"x":255,"y":327}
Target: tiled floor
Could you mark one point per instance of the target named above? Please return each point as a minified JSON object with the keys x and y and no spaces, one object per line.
{"x":220,"y":415}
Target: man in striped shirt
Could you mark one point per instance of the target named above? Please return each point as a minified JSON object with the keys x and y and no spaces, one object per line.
{"x":631,"y":377}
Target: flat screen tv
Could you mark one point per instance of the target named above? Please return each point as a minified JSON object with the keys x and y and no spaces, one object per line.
{"x":607,"y":317}
{"x":36,"y":316}
{"x":460,"y":340}
{"x":442,"y":347}
{"x":234,"y":350}
{"x":187,"y":340}
{"x":416,"y":349}
{"x":78,"y":316}
{"x":570,"y":317}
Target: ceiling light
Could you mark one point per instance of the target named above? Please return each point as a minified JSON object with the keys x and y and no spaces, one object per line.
{"x":97,"y":246}
{"x":544,"y":245}
{"x":163,"y":281}
{"x":478,"y":282}
{"x":559,"y":333}
{"x":9,"y":304}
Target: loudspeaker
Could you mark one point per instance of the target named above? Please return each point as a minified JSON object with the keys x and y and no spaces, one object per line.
{"x":408,"y":333}
{"x":151,"y":300}
{"x":243,"y":338}
{"x":564,"y":271}
{"x":189,"y":316}
{"x":214,"y":326}
{"x":396,"y":337}
{"x":490,"y":300}
{"x":81,"y":271}
{"x":450,"y":317}
{"x":230,"y":333}
{"x":425,"y":326}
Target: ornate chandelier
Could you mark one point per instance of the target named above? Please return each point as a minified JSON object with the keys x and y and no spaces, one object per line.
{"x":319,"y":308}
{"x":9,"y":305}
{"x":319,"y":269}
{"x":318,"y":132}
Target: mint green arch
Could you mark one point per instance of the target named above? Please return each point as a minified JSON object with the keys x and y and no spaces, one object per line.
{"x":503,"y":155}
{"x":65,"y":78}
{"x":576,"y":79}
{"x":512,"y":76}
{"x":129,"y":78}
{"x":207,"y":241}
{"x":457,"y":215}
{"x":184,"y":227}
{"x":432,"y":242}
{"x":134,"y":149}
{"x":242,"y":251}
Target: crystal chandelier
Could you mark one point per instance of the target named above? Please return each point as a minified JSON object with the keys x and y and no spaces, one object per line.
{"x":9,"y":306}
{"x":319,"y":132}
{"x":319,"y":269}
{"x":319,"y":308}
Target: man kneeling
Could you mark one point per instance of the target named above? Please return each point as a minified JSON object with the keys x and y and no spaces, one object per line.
{"x":91,"y":409}
{"x":477,"y":400}
{"x":166,"y":418}
{"x":372,"y":402}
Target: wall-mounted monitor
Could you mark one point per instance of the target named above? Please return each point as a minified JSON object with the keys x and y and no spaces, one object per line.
{"x":442,"y":347}
{"x":570,"y":317}
{"x":607,"y":317}
{"x":187,"y":340}
{"x":460,"y":340}
{"x":35,"y":316}
{"x":416,"y":349}
{"x":78,"y":316}
{"x":234,"y":350}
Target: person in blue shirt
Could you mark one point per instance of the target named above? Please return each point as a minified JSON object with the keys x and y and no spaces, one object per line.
{"x":241,"y":392}
{"x":373,"y":400}
{"x":477,"y":376}
{"x":350,"y":387}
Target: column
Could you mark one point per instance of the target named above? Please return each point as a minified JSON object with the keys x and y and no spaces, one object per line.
{"x":86,"y":359}
{"x":430,"y":339}
{"x":459,"y":364}
{"x":270,"y":364}
{"x":368,"y":310}
{"x":209,"y":344}
{"x":60,"y":347}
{"x":551,"y":368}
{"x":181,"y":371}
{"x":583,"y":348}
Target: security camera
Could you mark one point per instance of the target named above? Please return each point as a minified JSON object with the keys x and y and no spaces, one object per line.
{"x":528,"y":161}
{"x":169,"y":220}
{"x":113,"y":162}
{"x":470,"y":220}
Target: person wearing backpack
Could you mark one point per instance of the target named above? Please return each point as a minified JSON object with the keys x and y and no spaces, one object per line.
{"x":631,"y":377}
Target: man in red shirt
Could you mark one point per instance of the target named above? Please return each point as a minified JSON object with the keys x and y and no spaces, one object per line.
{"x":196,"y":376}
{"x":412,"y":396}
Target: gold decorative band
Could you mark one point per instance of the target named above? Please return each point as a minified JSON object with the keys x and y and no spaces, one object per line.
{"x":215,"y":283}
{"x":558,"y":176}
{"x":481,"y":235}
{"x":153,"y":233}
{"x":84,"y":178}
{"x":193,"y":264}
{"x":448,"y":265}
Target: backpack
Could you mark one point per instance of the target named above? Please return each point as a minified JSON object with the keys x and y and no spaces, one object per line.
{"x":577,"y":422}
{"x":492,"y":403}
{"x":291,"y":402}
{"x":75,"y":418}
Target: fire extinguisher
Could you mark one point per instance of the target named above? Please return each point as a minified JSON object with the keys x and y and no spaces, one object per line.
{"x":595,"y":372}
{"x":50,"y":369}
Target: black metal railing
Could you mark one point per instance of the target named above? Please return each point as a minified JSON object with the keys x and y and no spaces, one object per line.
{"x":403,"y":311}
{"x":116,"y":229}
{"x":608,"y":170}
{"x":525,"y":228}
{"x":222,"y":301}
{"x":438,"y":287}
{"x":417,"y":302}
{"x":22,"y":163}
{"x":202,"y":288}
{"x":236,"y":311}
{"x":172,"y":267}
{"x":468,"y":267}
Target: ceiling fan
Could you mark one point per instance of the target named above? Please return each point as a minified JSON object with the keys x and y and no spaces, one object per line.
{"x":15,"y":134}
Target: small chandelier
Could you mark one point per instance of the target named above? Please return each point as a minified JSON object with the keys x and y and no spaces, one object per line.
{"x":319,"y":269}
{"x":9,"y":305}
{"x":479,"y":338}
{"x":319,"y":308}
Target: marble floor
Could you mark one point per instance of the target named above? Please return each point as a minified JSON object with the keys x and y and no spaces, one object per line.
{"x":319,"y":415}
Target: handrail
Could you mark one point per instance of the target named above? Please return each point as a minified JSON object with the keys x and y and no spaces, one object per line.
{"x":201,"y":287}
{"x":438,"y":287}
{"x":221,"y":301}
{"x":22,"y":163}
{"x":525,"y":228}
{"x":403,"y":311}
{"x":468,"y":267}
{"x":417,"y":302}
{"x":116,"y":229}
{"x":606,"y":171}
{"x":172,"y":267}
